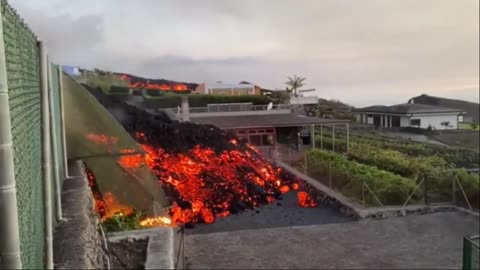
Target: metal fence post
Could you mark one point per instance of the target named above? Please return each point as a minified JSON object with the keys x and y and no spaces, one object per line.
{"x":321,"y":137}
{"x":46,"y":157}
{"x":306,"y":164}
{"x":425,"y":191}
{"x":62,"y":122}
{"x":330,"y":174}
{"x":55,"y":147}
{"x":333,"y":137}
{"x":289,"y":156}
{"x":467,"y":254}
{"x":363,"y":192}
{"x":454,"y":199}
{"x":348,"y":138}
{"x":312,"y":135}
{"x":9,"y":229}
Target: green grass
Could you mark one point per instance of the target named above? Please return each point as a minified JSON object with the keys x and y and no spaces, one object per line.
{"x":469,"y":126}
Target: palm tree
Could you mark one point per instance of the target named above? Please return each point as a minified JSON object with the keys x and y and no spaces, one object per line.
{"x":293,"y":84}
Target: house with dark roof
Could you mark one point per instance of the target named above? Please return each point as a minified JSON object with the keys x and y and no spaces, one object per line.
{"x":265,"y":126}
{"x":409,"y":115}
{"x":472,"y":109}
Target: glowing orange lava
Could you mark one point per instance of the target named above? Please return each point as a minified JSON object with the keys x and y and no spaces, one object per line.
{"x":305,"y":200}
{"x":176,"y":87}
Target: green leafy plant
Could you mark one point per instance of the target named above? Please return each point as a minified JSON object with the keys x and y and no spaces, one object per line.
{"x":348,"y":177}
{"x":123,"y":222}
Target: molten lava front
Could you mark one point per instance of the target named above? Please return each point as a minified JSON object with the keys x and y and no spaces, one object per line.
{"x":205,"y":184}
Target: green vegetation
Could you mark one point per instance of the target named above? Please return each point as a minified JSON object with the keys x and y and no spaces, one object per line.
{"x":168,"y":100}
{"x":461,"y":158}
{"x":349,"y":176}
{"x":123,"y":222}
{"x":412,"y":161}
{"x":293,"y":84}
{"x":280,"y":97}
{"x":107,"y":81}
{"x":470,"y":126}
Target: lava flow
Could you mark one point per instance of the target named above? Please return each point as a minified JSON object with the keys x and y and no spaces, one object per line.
{"x":205,"y":185}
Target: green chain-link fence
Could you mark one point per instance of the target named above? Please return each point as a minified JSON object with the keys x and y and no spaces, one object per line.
{"x":22,"y":64}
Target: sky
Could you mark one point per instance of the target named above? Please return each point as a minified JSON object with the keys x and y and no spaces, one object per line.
{"x":360,"y":52}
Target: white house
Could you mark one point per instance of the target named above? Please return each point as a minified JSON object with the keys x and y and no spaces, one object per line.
{"x":409,"y":115}
{"x":302,"y":99}
{"x":227,"y":89}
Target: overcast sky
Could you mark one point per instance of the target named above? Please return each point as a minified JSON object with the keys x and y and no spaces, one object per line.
{"x":361,"y":52}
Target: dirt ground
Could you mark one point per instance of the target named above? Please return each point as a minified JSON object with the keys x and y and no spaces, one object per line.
{"x":128,"y":254}
{"x":468,"y":139}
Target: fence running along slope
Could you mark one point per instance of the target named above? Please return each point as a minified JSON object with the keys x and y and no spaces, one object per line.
{"x":21,"y":92}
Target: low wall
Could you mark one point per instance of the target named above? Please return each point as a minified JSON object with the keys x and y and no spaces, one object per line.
{"x":164,"y":250}
{"x":77,"y":240}
{"x":324,"y":194}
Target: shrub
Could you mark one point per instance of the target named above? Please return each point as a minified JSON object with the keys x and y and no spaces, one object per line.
{"x":123,"y":222}
{"x":115,"y":89}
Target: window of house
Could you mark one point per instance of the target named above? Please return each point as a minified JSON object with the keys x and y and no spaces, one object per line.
{"x":268,"y":139}
{"x":415,"y":122}
{"x":256,"y":139}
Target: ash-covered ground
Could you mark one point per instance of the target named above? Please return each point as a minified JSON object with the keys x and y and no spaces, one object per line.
{"x":284,"y":213}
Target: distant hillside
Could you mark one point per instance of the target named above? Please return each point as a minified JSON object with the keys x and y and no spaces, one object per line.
{"x":471,"y":108}
{"x":331,"y":109}
{"x":159,"y":84}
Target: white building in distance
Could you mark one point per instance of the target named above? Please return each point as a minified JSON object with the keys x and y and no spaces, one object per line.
{"x":409,"y":115}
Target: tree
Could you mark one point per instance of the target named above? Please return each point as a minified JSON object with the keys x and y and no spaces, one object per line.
{"x":280,"y":97}
{"x":293,"y":84}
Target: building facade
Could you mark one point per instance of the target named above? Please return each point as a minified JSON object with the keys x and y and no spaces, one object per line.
{"x":409,"y":115}
{"x":227,"y":89}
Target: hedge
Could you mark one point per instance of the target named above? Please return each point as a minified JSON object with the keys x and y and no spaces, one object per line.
{"x":119,"y":89}
{"x":168,"y":100}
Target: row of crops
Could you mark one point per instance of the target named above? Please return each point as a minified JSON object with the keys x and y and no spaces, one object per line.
{"x":383,"y":172}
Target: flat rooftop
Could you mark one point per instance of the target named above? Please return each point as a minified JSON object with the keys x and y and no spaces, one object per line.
{"x":407,"y":108}
{"x":429,"y":241}
{"x":262,"y":121}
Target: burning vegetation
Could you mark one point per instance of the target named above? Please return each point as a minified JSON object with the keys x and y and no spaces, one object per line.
{"x":205,"y":172}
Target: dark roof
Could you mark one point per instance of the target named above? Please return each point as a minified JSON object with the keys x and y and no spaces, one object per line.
{"x":471,"y":108}
{"x":407,"y":109}
{"x":263,"y":120}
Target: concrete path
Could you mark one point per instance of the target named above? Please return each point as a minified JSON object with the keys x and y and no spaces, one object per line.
{"x":414,"y":241}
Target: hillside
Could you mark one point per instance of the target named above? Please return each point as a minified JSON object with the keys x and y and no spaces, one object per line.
{"x":159,"y":84}
{"x":331,"y":109}
{"x":471,"y":108}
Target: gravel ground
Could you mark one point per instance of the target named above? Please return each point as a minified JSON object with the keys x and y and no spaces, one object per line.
{"x":412,"y":242}
{"x":288,"y":213}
